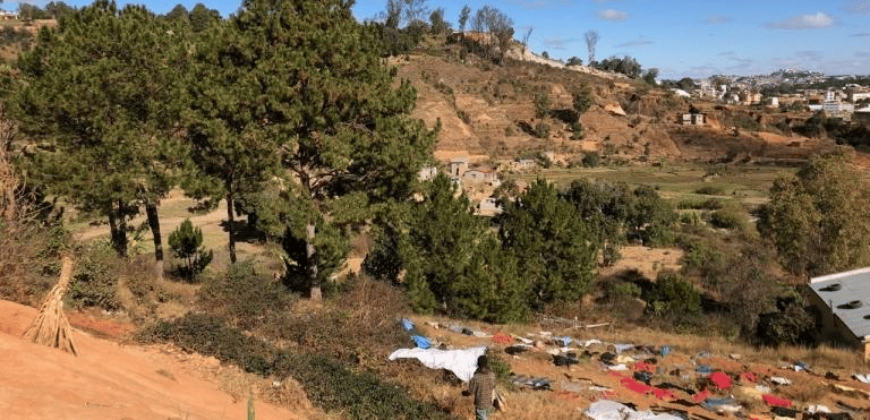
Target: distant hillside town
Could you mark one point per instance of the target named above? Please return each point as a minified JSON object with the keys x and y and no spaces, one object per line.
{"x":845,"y":97}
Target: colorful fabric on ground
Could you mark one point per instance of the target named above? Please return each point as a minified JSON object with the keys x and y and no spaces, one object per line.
{"x":502,"y":339}
{"x":721,"y":380}
{"x":776,"y":402}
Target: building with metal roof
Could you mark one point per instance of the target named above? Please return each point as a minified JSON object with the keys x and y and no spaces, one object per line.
{"x":844,"y":301}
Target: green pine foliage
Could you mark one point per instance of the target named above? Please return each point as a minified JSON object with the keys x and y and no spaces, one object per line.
{"x":99,"y":98}
{"x":186,"y":245}
{"x":673,"y":295}
{"x":451,"y":261}
{"x":296,"y":91}
{"x":555,"y":250}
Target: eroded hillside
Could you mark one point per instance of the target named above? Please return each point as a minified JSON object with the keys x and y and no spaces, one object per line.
{"x":487,"y":112}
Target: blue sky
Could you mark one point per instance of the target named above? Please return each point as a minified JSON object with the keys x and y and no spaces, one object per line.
{"x":694,"y":38}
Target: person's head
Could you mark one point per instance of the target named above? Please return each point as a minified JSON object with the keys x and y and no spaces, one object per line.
{"x":482,"y":364}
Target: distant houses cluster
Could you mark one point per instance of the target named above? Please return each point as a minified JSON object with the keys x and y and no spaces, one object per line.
{"x":849,"y":102}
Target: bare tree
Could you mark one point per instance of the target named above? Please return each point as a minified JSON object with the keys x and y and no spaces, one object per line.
{"x":415,"y":11}
{"x":526,"y":37}
{"x":393,"y":14}
{"x":591,"y":41}
{"x":463,"y":17}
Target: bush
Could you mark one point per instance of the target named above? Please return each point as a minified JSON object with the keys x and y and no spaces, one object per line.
{"x":577,"y":132}
{"x":590,"y":159}
{"x":623,"y":290}
{"x":542,"y":130}
{"x":247,"y":298}
{"x":95,"y":282}
{"x":730,"y":218}
{"x":186,"y":244}
{"x":672,"y":295}
{"x":790,"y":324}
{"x":708,"y":204}
{"x":582,"y":101}
{"x":710,"y":190}
{"x":463,"y":116}
{"x":542,"y":105}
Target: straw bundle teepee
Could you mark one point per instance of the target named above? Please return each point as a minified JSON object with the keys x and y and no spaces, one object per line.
{"x":51,"y":327}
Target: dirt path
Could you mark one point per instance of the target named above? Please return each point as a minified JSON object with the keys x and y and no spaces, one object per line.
{"x":107,"y":381}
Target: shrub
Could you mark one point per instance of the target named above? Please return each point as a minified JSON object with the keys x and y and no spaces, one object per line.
{"x":542,"y":104}
{"x":327,"y":382}
{"x":582,"y":101}
{"x":623,"y":290}
{"x":672,"y":295}
{"x":708,"y":204}
{"x":730,"y":218}
{"x":463,"y":116}
{"x":590,"y":159}
{"x":95,"y":282}
{"x":710,"y":190}
{"x":509,"y":131}
{"x":542,"y":130}
{"x":691,"y":218}
{"x":186,"y":244}
{"x":246,"y":297}
{"x":790,"y":324}
{"x":577,"y":132}
{"x":501,"y":368}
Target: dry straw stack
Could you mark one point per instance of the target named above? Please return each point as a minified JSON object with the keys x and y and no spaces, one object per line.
{"x":51,"y":327}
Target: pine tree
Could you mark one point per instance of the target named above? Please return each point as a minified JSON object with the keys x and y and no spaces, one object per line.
{"x":186,"y":244}
{"x":101,"y":91}
{"x":451,"y":261}
{"x":555,"y":249}
{"x":297,"y":89}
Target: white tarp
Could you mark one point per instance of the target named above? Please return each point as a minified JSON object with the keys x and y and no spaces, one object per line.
{"x":609,"y":410}
{"x":463,"y":363}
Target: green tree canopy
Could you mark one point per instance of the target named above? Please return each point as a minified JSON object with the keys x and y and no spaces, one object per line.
{"x":818,"y":219}
{"x":451,"y":260}
{"x":100,"y":92}
{"x":295,"y":93}
{"x":555,"y":249}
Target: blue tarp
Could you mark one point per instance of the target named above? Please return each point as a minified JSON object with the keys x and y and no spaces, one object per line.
{"x":421,"y":342}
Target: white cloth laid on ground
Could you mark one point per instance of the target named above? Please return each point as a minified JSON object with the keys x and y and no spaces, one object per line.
{"x":610,"y":410}
{"x":462,"y":363}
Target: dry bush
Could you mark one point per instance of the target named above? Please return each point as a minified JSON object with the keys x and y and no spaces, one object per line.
{"x":28,"y":250}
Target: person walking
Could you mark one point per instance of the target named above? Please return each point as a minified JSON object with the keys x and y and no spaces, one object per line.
{"x":482,"y":386}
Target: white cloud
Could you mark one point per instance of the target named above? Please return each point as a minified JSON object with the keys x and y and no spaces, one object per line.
{"x":861,"y":35}
{"x":611,"y":14}
{"x":557,"y":43}
{"x":815,"y":21}
{"x":639,"y":42}
{"x":718,"y":19}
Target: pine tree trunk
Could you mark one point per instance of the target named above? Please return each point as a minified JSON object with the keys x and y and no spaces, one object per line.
{"x":231,"y":219}
{"x":315,"y":284}
{"x":122,"y":229}
{"x":154,"y":224}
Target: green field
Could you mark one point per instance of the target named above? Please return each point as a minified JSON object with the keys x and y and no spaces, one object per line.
{"x":749,"y":184}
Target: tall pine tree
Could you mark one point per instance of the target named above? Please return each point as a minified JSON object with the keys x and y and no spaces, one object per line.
{"x":297,"y":89}
{"x":100,"y":92}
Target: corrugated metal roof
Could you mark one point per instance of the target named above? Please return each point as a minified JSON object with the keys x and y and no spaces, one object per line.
{"x":853,"y":286}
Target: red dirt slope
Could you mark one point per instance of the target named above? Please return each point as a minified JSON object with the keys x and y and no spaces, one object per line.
{"x":107,"y":381}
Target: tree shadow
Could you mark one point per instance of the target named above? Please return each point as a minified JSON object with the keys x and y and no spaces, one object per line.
{"x":242,"y":231}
